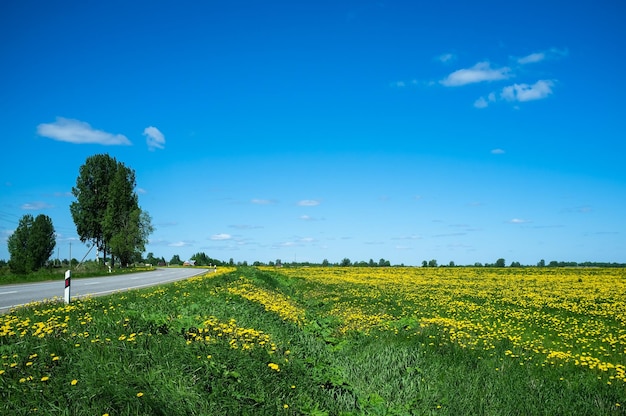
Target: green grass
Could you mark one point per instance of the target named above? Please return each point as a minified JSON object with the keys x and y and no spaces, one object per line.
{"x":140,"y":353}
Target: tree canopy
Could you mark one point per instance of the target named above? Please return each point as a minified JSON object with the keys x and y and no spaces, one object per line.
{"x":106,"y":211}
{"x":32,"y":243}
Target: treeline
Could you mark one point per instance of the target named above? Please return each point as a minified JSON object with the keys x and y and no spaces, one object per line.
{"x":201,"y":259}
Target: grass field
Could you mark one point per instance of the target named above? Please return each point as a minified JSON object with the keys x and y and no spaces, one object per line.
{"x":328,"y":341}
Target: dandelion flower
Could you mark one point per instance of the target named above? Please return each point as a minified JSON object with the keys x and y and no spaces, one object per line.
{"x":285,"y":406}
{"x":274,"y":367}
{"x":45,"y":378}
{"x":74,"y":382}
{"x":139,"y":394}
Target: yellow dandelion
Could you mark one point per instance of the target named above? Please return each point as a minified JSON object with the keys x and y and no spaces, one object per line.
{"x":74,"y":382}
{"x":45,"y":378}
{"x":139,"y":394}
{"x":285,"y":406}
{"x":274,"y":367}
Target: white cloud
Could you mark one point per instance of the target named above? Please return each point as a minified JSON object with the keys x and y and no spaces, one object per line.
{"x":35,"y":206}
{"x":532,"y":58}
{"x":263,"y":201}
{"x":141,"y":191}
{"x":221,"y":237}
{"x":179,"y":244}
{"x":446,"y":58}
{"x":79,"y":132}
{"x":483,"y":102}
{"x":497,"y":152}
{"x":524,"y":92}
{"x":308,"y":203}
{"x":518,"y":221}
{"x":552,"y":53}
{"x":245,"y":226}
{"x":154,"y":138}
{"x":480,"y":72}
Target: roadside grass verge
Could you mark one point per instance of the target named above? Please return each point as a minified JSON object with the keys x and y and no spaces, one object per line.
{"x":266,"y":342}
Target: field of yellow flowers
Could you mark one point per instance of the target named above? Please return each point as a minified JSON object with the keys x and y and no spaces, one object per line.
{"x":326,"y":341}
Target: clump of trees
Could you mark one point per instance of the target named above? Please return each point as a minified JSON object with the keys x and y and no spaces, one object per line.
{"x":106,"y":211}
{"x":202,"y":259}
{"x":32,"y":244}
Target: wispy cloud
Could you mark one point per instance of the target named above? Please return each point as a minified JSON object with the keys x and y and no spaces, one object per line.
{"x":480,"y":72}
{"x":180,"y":244}
{"x":79,"y":132}
{"x":407,"y":237}
{"x":446,"y":58}
{"x":167,"y":224}
{"x":497,"y":151}
{"x":518,"y":93}
{"x":518,"y":221}
{"x":535,"y":57}
{"x":532,"y":58}
{"x":449,"y":235}
{"x":483,"y":102}
{"x":221,"y":237}
{"x":525,"y":92}
{"x":154,"y":138}
{"x":245,"y":226}
{"x":308,"y":203}
{"x":257,"y":201}
{"x":36,"y":206}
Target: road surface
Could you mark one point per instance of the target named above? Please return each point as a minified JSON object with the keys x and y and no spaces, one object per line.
{"x":20,"y":294}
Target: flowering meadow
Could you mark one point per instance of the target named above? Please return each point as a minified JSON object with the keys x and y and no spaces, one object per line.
{"x":327,"y":341}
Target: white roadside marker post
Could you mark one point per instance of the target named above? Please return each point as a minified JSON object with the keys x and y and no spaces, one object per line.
{"x":68,"y":275}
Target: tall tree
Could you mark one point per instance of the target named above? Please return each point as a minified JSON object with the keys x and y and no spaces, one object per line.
{"x":107,"y":211}
{"x":129,"y":240}
{"x":32,"y":243}
{"x":41,"y":241}
{"x":18,"y":245}
{"x":92,"y":194}
{"x":121,"y":215}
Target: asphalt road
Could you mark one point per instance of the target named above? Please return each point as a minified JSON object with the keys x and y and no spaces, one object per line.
{"x":18,"y":295}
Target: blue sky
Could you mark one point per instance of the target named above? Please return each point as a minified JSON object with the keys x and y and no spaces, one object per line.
{"x":405,"y":130}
